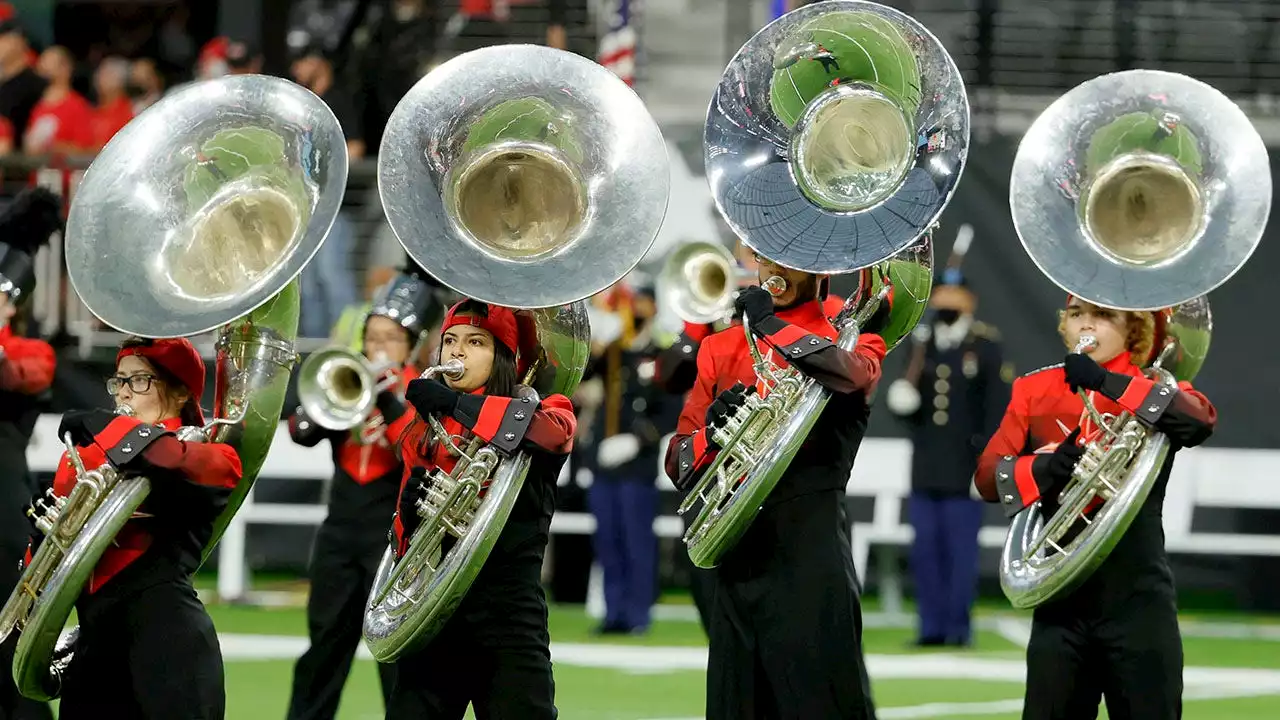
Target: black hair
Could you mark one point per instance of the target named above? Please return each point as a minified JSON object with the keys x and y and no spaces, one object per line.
{"x":190,"y":412}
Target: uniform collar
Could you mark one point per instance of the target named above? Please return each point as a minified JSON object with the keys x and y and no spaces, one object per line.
{"x":951,"y":336}
{"x":1119,"y":364}
{"x":171,"y":423}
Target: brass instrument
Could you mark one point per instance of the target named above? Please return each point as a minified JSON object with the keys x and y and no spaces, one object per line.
{"x":338,"y":387}
{"x":833,"y":142}
{"x":199,"y":214}
{"x":526,"y":177}
{"x":700,"y":281}
{"x":1138,"y":191}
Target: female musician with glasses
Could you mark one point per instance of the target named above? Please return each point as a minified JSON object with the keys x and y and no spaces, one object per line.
{"x":1116,"y":636}
{"x":147,"y":647}
{"x":785,"y":621}
{"x":362,"y":496}
{"x":494,"y":651}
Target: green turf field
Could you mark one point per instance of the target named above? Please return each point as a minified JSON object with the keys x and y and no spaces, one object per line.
{"x":1233,"y":668}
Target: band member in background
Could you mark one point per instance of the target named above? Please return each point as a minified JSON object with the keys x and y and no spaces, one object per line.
{"x":26,"y":372}
{"x":627,"y":434}
{"x":1116,"y":636}
{"x":956,"y":389}
{"x":786,"y":623}
{"x":494,"y":652}
{"x":362,"y":497}
{"x":146,"y":647}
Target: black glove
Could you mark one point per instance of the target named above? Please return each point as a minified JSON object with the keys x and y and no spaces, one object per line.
{"x":431,"y":396}
{"x":409,"y":518}
{"x":754,"y":303}
{"x":1083,"y":372}
{"x":725,"y":405}
{"x":1056,"y":468}
{"x":84,"y":425}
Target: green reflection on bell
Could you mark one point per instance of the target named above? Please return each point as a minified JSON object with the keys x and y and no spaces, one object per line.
{"x":517,"y":189}
{"x":1141,"y":197}
{"x":248,"y":204}
{"x":848,"y":84}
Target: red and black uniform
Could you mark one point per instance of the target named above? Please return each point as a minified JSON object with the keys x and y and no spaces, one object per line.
{"x":1117,"y":634}
{"x":26,"y":372}
{"x":785,"y":624}
{"x":344,"y":559}
{"x":147,"y":648}
{"x":495,"y":651}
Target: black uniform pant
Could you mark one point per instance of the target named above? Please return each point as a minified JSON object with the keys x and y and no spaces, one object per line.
{"x":494,"y":653}
{"x":785,"y":620}
{"x":342,"y":569}
{"x":1131,"y":655}
{"x":152,"y":655}
{"x":15,"y":494}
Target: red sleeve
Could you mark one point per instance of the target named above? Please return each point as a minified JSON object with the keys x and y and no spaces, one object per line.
{"x":396,"y":427}
{"x":1186,"y":416}
{"x":208,"y":464}
{"x":508,"y":423}
{"x":819,"y":358}
{"x":689,"y":452}
{"x":1004,"y":473}
{"x":28,"y":365}
{"x":698,"y":332}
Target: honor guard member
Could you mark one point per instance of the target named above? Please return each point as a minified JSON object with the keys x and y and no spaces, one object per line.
{"x":785,"y":624}
{"x":146,"y":646}
{"x":26,"y":372}
{"x":1116,"y":635}
{"x":628,"y":429}
{"x":494,"y":652}
{"x":362,"y":499}
{"x":956,"y":390}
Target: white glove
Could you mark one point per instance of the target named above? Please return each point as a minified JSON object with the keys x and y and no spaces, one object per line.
{"x":618,"y":449}
{"x":902,"y":398}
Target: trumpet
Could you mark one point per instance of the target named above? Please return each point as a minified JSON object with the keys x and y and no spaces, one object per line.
{"x":338,"y":387}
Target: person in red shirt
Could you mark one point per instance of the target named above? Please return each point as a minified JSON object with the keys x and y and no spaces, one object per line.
{"x":62,"y":122}
{"x":1116,"y":635}
{"x":494,"y":651}
{"x":115,"y":109}
{"x":27,"y":368}
{"x":362,"y":497}
{"x":785,"y":624}
{"x":146,"y":646}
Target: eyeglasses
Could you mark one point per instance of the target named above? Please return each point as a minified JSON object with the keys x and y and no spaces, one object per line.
{"x":137,"y":383}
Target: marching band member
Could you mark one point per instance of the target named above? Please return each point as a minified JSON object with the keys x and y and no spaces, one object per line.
{"x":147,"y":647}
{"x":26,"y":371}
{"x":1116,"y":636}
{"x":786,"y":624}
{"x":367,"y":473}
{"x":494,"y":652}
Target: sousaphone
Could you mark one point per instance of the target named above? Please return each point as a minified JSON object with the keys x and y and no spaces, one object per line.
{"x":198,"y":215}
{"x":526,"y":177}
{"x":1139,"y":191}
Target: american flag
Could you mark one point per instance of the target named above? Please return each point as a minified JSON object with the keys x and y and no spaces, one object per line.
{"x":618,"y":46}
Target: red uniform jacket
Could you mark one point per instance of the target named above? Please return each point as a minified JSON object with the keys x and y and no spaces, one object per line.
{"x":1010,"y":472}
{"x":804,"y":336}
{"x":190,"y":484}
{"x":509,"y":424}
{"x":28,"y":364}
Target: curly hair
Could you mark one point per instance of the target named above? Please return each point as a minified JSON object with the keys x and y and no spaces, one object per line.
{"x":1141,"y":338}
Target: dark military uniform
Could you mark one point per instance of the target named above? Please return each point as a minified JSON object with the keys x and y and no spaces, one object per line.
{"x":963,"y":390}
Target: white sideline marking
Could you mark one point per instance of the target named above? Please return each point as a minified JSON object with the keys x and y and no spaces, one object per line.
{"x":1014,"y":630}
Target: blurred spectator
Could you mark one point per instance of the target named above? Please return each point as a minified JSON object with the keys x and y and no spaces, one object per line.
{"x":62,"y":122}
{"x":212,"y":61}
{"x":20,"y":86}
{"x":480,"y":23}
{"x":146,"y":84}
{"x":110,"y":83}
{"x":243,"y":58}
{"x":399,"y":51}
{"x":328,"y":283}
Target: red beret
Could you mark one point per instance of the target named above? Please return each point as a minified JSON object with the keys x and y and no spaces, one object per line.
{"x":498,"y":320}
{"x":178,"y":357}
